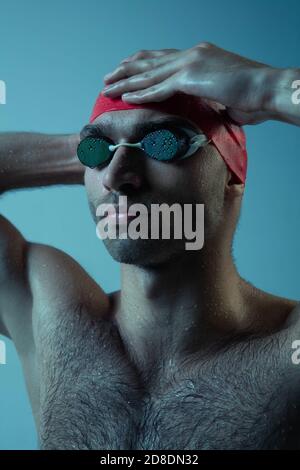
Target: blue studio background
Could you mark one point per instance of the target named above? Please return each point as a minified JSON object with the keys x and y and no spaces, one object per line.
{"x":53,"y":57}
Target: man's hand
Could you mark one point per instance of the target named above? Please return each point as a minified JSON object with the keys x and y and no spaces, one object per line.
{"x":251,"y":91}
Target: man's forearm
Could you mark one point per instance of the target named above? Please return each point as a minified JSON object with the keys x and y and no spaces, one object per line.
{"x":283,"y":95}
{"x":32,"y":159}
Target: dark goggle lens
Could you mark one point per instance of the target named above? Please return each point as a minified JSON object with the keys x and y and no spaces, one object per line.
{"x":161,"y":144}
{"x":93,"y":152}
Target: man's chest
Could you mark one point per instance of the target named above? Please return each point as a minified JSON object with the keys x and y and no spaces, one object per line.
{"x":92,"y":396}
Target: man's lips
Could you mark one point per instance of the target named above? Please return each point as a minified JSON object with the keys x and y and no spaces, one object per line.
{"x":119,"y":215}
{"x":119,"y":210}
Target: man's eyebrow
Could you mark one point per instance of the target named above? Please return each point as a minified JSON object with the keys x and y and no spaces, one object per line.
{"x":94,"y":130}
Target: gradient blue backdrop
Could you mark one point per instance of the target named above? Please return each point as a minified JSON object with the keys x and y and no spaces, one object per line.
{"x":53,"y":57}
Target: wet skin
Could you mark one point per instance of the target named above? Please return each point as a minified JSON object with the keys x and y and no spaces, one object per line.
{"x":187,"y":355}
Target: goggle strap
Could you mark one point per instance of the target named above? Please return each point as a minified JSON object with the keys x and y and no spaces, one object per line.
{"x":196,"y":142}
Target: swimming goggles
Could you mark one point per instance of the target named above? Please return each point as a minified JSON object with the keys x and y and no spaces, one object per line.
{"x":163,"y":145}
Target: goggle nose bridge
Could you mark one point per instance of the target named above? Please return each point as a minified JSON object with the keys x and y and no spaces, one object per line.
{"x":127,"y":144}
{"x":195,"y":142}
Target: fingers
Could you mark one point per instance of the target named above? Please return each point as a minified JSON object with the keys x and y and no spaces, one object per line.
{"x":143,"y":54}
{"x":140,"y":63}
{"x":142,"y":80}
{"x":159,"y":92}
{"x":126,"y":70}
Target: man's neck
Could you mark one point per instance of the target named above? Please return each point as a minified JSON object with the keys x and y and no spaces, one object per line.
{"x":176,"y":306}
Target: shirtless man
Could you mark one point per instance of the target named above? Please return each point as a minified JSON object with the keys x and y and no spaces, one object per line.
{"x":187,"y":355}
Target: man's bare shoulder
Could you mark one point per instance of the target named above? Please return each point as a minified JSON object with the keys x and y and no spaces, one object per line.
{"x":272,"y":311}
{"x":56,"y":277}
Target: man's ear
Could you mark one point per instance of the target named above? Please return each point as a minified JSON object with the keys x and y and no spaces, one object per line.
{"x":233,"y":187}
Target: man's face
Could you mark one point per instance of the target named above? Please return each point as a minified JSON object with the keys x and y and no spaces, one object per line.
{"x":198,"y":179}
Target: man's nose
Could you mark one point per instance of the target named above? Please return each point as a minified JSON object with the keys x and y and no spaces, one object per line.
{"x":124,"y":171}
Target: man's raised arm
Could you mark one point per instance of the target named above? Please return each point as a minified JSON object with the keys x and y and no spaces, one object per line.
{"x":28,"y":160}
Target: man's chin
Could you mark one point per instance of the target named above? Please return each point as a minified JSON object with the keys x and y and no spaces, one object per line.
{"x":141,"y":252}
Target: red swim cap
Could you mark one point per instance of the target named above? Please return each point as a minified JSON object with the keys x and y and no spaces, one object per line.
{"x":226,"y":136}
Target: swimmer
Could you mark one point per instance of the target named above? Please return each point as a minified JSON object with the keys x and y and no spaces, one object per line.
{"x":187,"y":354}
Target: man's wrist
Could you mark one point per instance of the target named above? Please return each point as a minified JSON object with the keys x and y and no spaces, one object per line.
{"x":73,"y":141}
{"x":79,"y":167}
{"x":277,"y":95}
{"x":74,"y":168}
